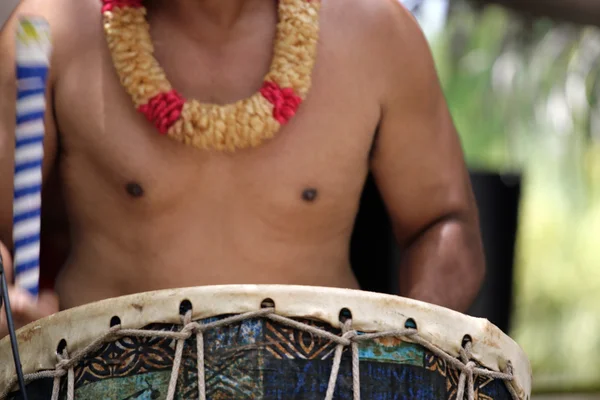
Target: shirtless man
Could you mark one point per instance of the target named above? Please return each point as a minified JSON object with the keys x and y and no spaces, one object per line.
{"x":146,"y":212}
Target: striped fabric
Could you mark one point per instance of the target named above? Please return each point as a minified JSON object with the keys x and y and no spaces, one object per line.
{"x":33,"y":48}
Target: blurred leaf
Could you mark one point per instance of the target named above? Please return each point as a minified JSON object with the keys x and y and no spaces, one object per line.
{"x":525,"y":96}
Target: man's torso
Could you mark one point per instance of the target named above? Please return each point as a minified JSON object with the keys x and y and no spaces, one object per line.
{"x":147,"y":213}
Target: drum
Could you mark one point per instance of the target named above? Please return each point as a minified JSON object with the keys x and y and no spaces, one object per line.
{"x":265,"y":342}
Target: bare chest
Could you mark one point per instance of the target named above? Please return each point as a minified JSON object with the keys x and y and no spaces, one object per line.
{"x":322,"y":152}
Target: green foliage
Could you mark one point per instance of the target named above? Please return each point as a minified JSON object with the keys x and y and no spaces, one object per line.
{"x":525,"y":97}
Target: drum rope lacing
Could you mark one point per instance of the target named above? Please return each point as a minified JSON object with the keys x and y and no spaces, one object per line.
{"x":349,"y":338}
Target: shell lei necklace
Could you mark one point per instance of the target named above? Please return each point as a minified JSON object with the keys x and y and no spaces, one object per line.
{"x":245,"y":123}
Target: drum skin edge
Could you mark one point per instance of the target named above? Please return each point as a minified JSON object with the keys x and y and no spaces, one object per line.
{"x":371,"y":312}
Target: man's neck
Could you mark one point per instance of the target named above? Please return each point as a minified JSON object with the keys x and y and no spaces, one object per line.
{"x":224,"y":14}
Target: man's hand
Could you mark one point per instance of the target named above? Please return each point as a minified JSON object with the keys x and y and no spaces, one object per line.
{"x":25,"y":309}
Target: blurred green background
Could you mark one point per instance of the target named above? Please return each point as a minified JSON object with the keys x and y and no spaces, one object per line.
{"x":524,"y":94}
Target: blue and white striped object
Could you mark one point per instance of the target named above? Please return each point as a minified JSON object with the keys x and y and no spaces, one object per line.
{"x":33,"y":47}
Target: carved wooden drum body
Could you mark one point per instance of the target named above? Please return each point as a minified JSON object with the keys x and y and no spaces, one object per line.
{"x":265,"y":342}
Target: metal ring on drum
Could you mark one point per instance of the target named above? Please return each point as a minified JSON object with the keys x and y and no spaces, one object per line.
{"x":265,"y":342}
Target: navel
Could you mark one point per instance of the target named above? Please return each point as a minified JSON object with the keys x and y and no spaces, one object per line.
{"x":309,"y":195}
{"x":134,"y":189}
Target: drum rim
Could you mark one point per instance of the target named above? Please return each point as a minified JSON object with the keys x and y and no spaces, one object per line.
{"x":371,"y":311}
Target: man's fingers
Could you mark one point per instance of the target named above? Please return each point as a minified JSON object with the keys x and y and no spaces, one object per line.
{"x":47,"y":303}
{"x":26,"y":309}
{"x":6,"y":259}
{"x":22,"y":305}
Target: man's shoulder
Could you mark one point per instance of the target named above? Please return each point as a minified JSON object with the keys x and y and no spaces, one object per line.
{"x":382,"y":34}
{"x":74,"y":25}
{"x":380,"y":15}
{"x":57,"y":9}
{"x":68,"y":19}
{"x":386,"y":29}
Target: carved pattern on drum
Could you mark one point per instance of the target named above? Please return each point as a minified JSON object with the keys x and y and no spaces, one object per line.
{"x":128,"y":356}
{"x":434,"y":363}
{"x":452,"y":386}
{"x":229,"y":374}
{"x":481,"y":383}
{"x":283,"y":342}
{"x":393,"y":350}
{"x":232,"y":362}
{"x":264,"y":355}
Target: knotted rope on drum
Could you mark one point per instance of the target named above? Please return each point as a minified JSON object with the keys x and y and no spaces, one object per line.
{"x":348,"y":338}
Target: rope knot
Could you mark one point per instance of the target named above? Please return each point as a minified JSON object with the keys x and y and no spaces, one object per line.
{"x":470,"y":367}
{"x":349,"y":337}
{"x":190,"y":329}
{"x":63,"y":365}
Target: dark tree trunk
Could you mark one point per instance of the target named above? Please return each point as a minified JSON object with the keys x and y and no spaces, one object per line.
{"x":498,"y":199}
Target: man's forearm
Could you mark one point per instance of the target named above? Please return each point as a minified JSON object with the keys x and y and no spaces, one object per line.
{"x":444,"y":265}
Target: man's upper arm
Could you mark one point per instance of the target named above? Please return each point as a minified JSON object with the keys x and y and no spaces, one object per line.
{"x":8,"y":93}
{"x":417,"y":161}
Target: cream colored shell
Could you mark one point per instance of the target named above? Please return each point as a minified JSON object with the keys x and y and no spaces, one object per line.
{"x":371,"y":312}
